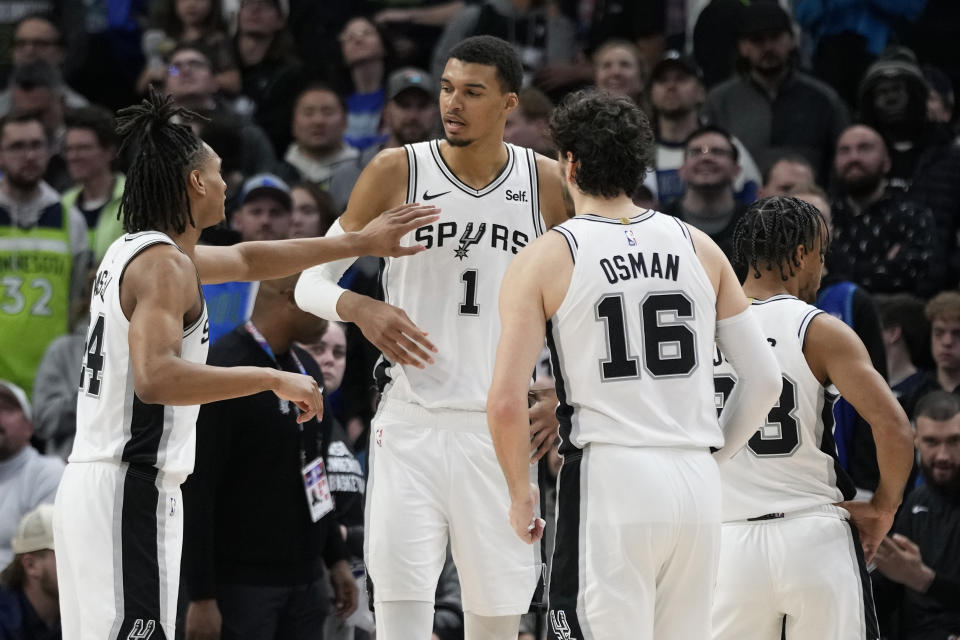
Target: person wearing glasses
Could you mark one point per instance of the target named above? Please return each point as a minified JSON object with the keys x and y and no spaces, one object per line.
{"x":709,"y":170}
{"x":43,"y":251}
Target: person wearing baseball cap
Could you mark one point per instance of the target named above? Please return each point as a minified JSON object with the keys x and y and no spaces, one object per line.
{"x":411,"y":113}
{"x":265,"y":213}
{"x":677,"y":94}
{"x":29,"y":597}
{"x":772,"y":107}
{"x":27,"y":478}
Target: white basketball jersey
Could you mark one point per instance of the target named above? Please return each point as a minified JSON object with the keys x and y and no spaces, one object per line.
{"x":791,"y":462}
{"x":451,"y":290}
{"x":113,"y":425}
{"x":632,"y":340}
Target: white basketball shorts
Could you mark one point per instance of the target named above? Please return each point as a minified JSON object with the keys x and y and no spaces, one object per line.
{"x":804,"y":570}
{"x":118,"y":533}
{"x":434,"y":474}
{"x":637,"y":542}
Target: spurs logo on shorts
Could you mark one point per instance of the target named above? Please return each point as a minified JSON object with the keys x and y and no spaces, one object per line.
{"x":142,"y":630}
{"x":560,"y":626}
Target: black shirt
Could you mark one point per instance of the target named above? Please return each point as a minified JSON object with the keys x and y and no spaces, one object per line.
{"x":247,"y":519}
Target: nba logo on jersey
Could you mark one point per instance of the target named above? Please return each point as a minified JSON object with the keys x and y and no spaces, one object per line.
{"x":379,"y":437}
{"x":142,"y":631}
{"x":173,"y":506}
{"x":630,"y":239}
{"x":559,"y":624}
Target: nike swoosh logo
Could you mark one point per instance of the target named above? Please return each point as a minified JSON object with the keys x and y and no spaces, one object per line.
{"x":427,"y":196}
{"x":917,"y":508}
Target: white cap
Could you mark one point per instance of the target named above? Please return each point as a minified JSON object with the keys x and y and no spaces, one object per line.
{"x":35,"y":531}
{"x":18,"y":394}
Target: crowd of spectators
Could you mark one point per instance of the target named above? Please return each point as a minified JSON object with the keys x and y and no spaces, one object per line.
{"x":848,"y":104}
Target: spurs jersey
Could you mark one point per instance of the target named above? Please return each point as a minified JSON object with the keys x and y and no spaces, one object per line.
{"x":791,"y":462}
{"x":632,"y":340}
{"x":451,"y":289}
{"x":113,"y":425}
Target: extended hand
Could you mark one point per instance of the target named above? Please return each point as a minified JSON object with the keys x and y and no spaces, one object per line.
{"x":543,"y":422}
{"x":382,"y":235}
{"x":900,"y":560}
{"x":301,"y":390}
{"x":393,"y":333}
{"x":344,"y":589}
{"x":528,"y":528}
{"x":872,"y":522}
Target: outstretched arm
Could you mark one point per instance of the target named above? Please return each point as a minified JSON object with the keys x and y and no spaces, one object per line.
{"x":387,"y":327}
{"x":158,"y":289}
{"x":269,"y":260}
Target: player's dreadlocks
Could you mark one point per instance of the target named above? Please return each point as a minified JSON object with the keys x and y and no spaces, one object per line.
{"x":155,"y":196}
{"x":770,"y":231}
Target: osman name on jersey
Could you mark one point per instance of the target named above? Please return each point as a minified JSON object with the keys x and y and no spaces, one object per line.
{"x":640,"y":265}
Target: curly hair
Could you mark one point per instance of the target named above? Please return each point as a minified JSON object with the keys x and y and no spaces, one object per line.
{"x":608,"y":136}
{"x":495,"y":52}
{"x":155,"y":196}
{"x":770,"y":231}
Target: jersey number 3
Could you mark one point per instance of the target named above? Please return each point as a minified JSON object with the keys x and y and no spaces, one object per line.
{"x":669,"y":347}
{"x":780,"y":436}
{"x":93,"y":360}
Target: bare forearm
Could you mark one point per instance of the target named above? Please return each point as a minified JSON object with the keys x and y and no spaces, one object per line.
{"x":894,"y":458}
{"x":510,"y":431}
{"x":351,"y":305}
{"x":178,"y":382}
{"x":268,"y":260}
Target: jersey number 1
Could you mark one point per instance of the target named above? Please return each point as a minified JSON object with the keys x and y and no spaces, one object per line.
{"x":469,"y":307}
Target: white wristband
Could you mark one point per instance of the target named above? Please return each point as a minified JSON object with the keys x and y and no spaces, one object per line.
{"x":317,"y":290}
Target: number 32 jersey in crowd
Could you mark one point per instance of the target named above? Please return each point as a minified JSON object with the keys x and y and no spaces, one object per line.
{"x":113,"y":425}
{"x":451,"y":290}
{"x":790,"y":464}
{"x":632,"y":341}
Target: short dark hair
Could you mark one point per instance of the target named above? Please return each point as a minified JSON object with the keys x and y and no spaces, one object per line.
{"x":720,"y":131}
{"x":155,"y":196}
{"x":37,"y":74}
{"x":609,"y":137}
{"x":770,"y":231}
{"x":494,"y":52}
{"x":793,"y":158}
{"x":905,"y":311}
{"x":23,"y":117}
{"x":321,"y":86}
{"x":95,"y":119}
{"x":937,"y":405}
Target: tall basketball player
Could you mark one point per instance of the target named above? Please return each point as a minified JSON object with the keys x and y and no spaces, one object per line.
{"x":118,"y":522}
{"x":630,"y":301}
{"x":434,"y":474}
{"x":791,"y":557}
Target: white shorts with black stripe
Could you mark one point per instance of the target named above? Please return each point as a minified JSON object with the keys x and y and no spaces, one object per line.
{"x":803,"y":572}
{"x":637,"y":543}
{"x":434,"y":478}
{"x":118,"y":533}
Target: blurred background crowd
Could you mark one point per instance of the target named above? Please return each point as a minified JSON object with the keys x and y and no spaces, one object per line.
{"x":848,"y":104}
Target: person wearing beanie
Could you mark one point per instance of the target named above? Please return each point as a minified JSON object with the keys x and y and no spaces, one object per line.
{"x":29,"y":596}
{"x":772,"y":107}
{"x":923,"y":158}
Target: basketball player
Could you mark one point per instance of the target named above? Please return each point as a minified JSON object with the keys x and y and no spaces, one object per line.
{"x":434,"y":473}
{"x":631,"y":300}
{"x":118,"y":525}
{"x":791,"y":559}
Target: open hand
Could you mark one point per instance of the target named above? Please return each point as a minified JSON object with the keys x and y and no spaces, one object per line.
{"x":394,"y":333}
{"x":899,"y":558}
{"x":382,"y":235}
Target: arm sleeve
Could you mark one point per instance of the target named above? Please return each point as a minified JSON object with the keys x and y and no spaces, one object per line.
{"x":759,"y":380}
{"x":317,"y":290}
